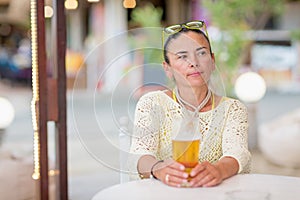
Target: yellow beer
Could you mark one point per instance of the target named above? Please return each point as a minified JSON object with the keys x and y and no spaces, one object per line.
{"x":186,"y":153}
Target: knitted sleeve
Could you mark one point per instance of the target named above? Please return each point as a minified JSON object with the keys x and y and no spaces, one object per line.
{"x":235,"y":136}
{"x":146,"y":130}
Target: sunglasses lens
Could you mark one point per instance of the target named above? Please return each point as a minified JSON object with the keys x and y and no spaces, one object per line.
{"x":172,"y":29}
{"x":195,"y":24}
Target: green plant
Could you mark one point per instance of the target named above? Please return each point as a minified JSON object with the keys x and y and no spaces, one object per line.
{"x":234,"y":18}
{"x":148,"y":18}
{"x":295,"y":35}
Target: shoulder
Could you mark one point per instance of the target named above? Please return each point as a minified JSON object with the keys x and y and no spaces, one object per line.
{"x":157,"y":103}
{"x":153,"y":98}
{"x":232,"y":103}
{"x":154,"y":95}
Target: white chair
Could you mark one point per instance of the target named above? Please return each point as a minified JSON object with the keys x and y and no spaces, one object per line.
{"x":124,"y":144}
{"x":279,"y":140}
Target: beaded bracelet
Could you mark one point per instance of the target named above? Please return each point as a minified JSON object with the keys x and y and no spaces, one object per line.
{"x":151,"y":171}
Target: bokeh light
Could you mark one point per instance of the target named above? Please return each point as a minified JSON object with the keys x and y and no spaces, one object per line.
{"x":250,"y":87}
{"x":7,"y":113}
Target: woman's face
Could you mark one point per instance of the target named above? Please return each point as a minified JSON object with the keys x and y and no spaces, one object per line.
{"x":191,"y":63}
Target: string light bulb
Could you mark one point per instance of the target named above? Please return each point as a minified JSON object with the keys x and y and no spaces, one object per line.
{"x":48,"y":11}
{"x":129,"y":3}
{"x":71,"y":4}
{"x":35,"y":88}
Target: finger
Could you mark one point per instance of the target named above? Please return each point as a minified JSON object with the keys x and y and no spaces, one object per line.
{"x":178,"y":181}
{"x":196,"y":170}
{"x":173,"y":184}
{"x":211,"y":183}
{"x":167,"y":179}
{"x":177,"y":165}
{"x":199,"y":180}
{"x":178,"y":173}
{"x":214,"y":171}
{"x":174,"y":181}
{"x":173,"y":164}
{"x":205,"y":180}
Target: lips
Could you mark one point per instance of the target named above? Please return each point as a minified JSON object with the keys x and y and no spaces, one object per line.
{"x":194,"y":74}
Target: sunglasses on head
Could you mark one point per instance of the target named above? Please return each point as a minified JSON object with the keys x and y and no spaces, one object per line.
{"x":173,"y":29}
{"x":198,"y":25}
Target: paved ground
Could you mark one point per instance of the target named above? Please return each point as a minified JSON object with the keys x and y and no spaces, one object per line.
{"x":93,"y":129}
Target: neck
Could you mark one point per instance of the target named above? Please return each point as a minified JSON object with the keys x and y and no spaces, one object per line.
{"x":193,"y":96}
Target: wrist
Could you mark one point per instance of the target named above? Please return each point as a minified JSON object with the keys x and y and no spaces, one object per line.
{"x":220,"y":168}
{"x":227,"y":167}
{"x":153,"y":169}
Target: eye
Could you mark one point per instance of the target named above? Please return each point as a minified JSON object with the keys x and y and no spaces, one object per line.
{"x":202,"y":52}
{"x":183,"y":56}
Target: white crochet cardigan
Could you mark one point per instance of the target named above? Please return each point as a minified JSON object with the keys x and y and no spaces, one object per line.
{"x":224,"y":130}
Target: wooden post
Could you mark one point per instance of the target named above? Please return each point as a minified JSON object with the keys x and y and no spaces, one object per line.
{"x":51,"y":104}
{"x":42,"y":103}
{"x":60,"y":123}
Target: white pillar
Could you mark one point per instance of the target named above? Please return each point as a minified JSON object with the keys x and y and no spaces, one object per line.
{"x":115,"y":34}
{"x":173,"y":14}
{"x":93,"y":51}
{"x":76,"y":29}
{"x":296,"y":74}
{"x":252,"y":120}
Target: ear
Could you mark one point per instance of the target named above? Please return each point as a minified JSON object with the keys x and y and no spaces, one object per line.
{"x":213,"y":62}
{"x":168,"y":70}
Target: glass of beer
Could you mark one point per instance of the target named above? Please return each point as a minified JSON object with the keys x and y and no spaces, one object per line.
{"x":186,"y":144}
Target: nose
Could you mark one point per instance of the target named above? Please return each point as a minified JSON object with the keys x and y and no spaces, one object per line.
{"x":192,"y":63}
{"x":192,"y":60}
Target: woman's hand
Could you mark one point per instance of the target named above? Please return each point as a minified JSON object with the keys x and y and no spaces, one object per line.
{"x":171,"y":173}
{"x":205,"y":175}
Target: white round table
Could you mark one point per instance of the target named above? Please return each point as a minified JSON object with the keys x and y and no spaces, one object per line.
{"x":276,"y":188}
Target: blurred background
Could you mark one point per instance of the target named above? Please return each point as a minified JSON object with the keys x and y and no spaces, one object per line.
{"x":114,"y":56}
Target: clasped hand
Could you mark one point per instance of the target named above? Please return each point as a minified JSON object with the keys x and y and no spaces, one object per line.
{"x":203,"y":174}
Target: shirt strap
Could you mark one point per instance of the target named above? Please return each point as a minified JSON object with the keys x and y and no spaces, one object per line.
{"x":174,"y":96}
{"x":213,"y":101}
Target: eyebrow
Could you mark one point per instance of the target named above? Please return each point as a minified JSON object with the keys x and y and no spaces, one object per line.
{"x":184,"y":52}
{"x":198,"y":49}
{"x":181,"y":52}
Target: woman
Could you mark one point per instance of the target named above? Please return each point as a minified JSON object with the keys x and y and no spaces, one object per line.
{"x":189,"y":61}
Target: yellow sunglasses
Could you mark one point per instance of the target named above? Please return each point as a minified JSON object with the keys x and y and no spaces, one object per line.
{"x":199,"y":25}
